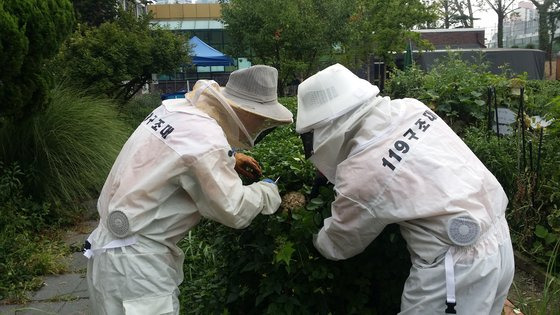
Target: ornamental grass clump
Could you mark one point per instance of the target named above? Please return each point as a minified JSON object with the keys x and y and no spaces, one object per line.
{"x":68,"y":147}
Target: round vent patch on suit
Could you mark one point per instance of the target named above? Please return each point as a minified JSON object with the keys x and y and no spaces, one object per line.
{"x":118,"y":223}
{"x":463,"y":230}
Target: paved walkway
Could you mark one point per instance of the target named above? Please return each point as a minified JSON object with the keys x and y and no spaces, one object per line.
{"x":66,"y":293}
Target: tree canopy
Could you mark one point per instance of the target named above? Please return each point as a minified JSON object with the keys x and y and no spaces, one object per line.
{"x":297,"y":36}
{"x":384,"y":27}
{"x":456,"y":13}
{"x":118,"y":58}
{"x":543,"y":7}
{"x":289,"y":35}
{"x":94,"y":13}
{"x":30,"y":32}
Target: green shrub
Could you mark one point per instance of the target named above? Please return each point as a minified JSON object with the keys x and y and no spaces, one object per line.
{"x":30,"y":33}
{"x":204,"y":288}
{"x":533,"y":189}
{"x":530,"y":46}
{"x":456,"y":89}
{"x":135,"y":110}
{"x":499,"y":155}
{"x":543,"y":98}
{"x":272,"y":267}
{"x":407,"y":83}
{"x":27,"y":251}
{"x":70,"y":146}
{"x":118,"y":57}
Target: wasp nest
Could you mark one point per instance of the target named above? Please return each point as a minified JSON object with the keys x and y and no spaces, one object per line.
{"x":292,"y":200}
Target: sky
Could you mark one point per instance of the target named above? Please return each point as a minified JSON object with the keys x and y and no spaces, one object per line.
{"x":488,"y":21}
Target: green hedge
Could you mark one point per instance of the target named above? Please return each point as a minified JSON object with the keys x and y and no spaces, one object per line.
{"x":271,"y":267}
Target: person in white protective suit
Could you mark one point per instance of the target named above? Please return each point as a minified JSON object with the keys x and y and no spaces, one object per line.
{"x":396,"y":161}
{"x":177,"y":167}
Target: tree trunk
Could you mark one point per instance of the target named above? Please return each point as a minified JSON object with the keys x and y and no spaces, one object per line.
{"x":446,"y":15}
{"x":500,"y":31}
{"x":552,"y":21}
{"x":281,"y":88}
{"x":471,"y":14}
{"x":464,"y":10}
{"x":543,"y":28}
{"x":542,"y":9}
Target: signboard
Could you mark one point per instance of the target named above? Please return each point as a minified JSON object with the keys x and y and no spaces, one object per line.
{"x":506,"y":117}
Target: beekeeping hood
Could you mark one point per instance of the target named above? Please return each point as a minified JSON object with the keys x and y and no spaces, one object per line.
{"x":334,"y":104}
{"x":246,"y":107}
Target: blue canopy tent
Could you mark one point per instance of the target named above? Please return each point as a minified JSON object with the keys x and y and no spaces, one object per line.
{"x":205,"y":55}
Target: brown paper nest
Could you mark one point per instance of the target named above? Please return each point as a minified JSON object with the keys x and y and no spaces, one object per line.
{"x":292,"y":201}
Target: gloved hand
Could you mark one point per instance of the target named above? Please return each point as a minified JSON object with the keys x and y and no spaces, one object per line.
{"x":247,"y":166}
{"x":268,"y":180}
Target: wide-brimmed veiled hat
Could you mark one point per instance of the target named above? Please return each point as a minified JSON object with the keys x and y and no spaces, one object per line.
{"x":328,"y":94}
{"x":254,"y":90}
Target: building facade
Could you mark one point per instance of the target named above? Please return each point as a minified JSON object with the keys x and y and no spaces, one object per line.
{"x":192,"y":18}
{"x":139,"y":7}
{"x":456,"y":38}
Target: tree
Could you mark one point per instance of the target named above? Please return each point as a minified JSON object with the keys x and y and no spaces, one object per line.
{"x":289,"y":35}
{"x":30,"y":33}
{"x":118,"y":58}
{"x":93,"y":13}
{"x":384,"y":27}
{"x":542,"y":9}
{"x":455,"y":13}
{"x":446,"y":12}
{"x":553,"y":16}
{"x":296,"y":36}
{"x":502,"y":9}
{"x":464,"y":13}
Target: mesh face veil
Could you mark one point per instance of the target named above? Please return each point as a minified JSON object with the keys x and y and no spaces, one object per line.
{"x":242,"y":128}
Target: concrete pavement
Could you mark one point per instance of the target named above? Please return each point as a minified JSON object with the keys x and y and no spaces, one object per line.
{"x":66,"y":293}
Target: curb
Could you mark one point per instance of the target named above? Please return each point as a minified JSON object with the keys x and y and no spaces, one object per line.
{"x":524,"y":263}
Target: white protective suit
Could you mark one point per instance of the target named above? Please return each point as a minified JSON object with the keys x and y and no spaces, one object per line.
{"x":396,"y":161}
{"x":176,"y":167}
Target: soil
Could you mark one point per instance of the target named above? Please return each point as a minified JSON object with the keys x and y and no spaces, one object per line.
{"x":527,"y":291}
{"x":524,"y":290}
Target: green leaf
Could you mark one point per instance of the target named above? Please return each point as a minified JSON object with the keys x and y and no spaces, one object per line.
{"x":284,"y":253}
{"x":317,"y":201}
{"x":550,"y":238}
{"x":312,"y":207}
{"x":480,"y":102}
{"x":433,"y":95}
{"x":541,"y":231}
